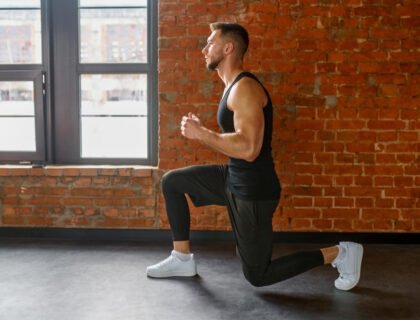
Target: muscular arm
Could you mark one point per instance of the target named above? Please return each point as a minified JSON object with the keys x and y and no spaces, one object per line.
{"x":246,"y":100}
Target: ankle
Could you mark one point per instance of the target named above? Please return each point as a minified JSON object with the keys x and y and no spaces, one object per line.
{"x":182,"y":246}
{"x":330,"y":254}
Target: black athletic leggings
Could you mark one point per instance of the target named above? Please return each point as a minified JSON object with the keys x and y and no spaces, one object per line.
{"x":251,"y":222}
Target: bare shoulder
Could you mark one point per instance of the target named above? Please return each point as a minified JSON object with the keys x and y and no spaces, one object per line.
{"x":248,"y":85}
{"x":247,"y":91}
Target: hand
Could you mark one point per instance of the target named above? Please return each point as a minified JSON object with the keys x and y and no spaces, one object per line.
{"x":194,"y":117}
{"x":190,"y":126}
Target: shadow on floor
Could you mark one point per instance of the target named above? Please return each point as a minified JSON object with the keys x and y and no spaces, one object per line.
{"x":360,"y":303}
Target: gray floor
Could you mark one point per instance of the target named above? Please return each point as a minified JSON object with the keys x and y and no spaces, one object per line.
{"x":46,"y":279}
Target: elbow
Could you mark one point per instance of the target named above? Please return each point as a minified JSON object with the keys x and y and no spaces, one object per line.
{"x":249,"y":158}
{"x":251,"y":155}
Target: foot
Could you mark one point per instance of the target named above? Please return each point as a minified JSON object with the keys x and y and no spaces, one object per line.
{"x":348,"y":264}
{"x":173,"y":266}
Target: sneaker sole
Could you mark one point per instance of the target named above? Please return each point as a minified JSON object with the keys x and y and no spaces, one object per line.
{"x":172,"y":275}
{"x":358,"y":270}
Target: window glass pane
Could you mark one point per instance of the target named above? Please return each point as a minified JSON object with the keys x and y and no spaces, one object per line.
{"x":113,"y":35}
{"x":16,"y":98}
{"x":114,"y":94}
{"x":20,"y":4}
{"x":114,"y":116}
{"x":114,"y":137}
{"x":115,"y":3}
{"x":17,"y":134}
{"x":17,"y":116}
{"x":20,"y":32}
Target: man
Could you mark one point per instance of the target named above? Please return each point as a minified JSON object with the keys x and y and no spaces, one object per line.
{"x":248,"y":185}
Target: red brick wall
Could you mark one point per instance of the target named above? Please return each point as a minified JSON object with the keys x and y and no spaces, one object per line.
{"x":345,"y":80}
{"x":95,"y":197}
{"x":344,"y":77}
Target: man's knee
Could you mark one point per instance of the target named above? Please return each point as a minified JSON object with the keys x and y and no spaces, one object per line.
{"x":254,"y":276}
{"x":169,"y":181}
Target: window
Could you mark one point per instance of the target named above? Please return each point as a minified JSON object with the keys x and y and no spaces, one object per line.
{"x":89,"y":95}
{"x":22,"y":75}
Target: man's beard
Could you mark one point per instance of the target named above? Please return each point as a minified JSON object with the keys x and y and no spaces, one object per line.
{"x":214,"y":64}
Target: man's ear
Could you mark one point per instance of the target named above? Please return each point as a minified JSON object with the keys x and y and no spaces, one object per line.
{"x":229,"y":47}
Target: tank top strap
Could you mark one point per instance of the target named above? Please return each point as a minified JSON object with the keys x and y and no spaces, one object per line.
{"x":238,"y":77}
{"x":244,"y":74}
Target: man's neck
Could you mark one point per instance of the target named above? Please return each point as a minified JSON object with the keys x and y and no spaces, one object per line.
{"x":229,"y":73}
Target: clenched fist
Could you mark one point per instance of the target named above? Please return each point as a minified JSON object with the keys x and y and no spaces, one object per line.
{"x":190,"y":126}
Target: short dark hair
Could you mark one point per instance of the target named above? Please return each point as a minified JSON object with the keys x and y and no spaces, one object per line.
{"x":234,"y":31}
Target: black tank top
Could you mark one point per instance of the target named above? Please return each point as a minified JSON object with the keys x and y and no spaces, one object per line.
{"x":256,"y":180}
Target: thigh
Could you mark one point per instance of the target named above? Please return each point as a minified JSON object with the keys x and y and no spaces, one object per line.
{"x":204,"y":184}
{"x":252,"y":227}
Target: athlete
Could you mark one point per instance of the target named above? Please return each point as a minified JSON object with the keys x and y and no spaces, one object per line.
{"x":247,"y":185}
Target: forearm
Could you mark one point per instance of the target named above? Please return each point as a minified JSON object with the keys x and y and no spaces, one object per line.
{"x":233,"y":145}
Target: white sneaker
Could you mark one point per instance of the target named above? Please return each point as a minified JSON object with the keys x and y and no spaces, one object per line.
{"x":173,"y":266}
{"x":348,"y":264}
